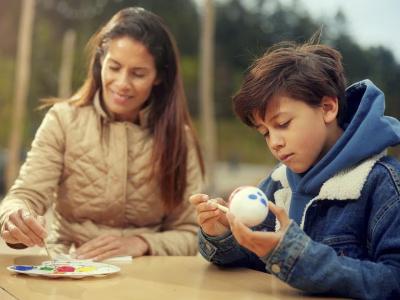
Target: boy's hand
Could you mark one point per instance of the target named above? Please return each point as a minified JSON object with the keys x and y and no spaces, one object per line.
{"x":211,"y":219}
{"x":23,"y":228}
{"x":259,"y":242}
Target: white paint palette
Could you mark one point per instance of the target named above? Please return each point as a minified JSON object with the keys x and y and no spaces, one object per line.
{"x":69,"y":269}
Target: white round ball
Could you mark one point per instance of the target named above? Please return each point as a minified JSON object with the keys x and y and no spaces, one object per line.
{"x":249,"y":205}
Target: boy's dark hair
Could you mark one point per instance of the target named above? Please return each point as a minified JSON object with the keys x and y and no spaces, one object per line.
{"x":305,"y":72}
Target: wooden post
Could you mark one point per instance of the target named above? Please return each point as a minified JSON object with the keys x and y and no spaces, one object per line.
{"x":22,"y":76}
{"x":207,"y":91}
{"x":67,"y":64}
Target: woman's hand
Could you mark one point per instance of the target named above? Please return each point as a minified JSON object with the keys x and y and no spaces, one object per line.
{"x":211,"y":219}
{"x":259,"y":242}
{"x":107,"y":246}
{"x":24,"y":228}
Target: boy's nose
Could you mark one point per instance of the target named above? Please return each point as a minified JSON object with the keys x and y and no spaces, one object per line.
{"x":276,"y":142}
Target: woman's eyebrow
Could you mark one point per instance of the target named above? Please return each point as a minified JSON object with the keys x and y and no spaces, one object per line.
{"x":114,"y":61}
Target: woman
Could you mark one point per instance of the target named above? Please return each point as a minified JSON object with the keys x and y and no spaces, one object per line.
{"x":119,"y":159}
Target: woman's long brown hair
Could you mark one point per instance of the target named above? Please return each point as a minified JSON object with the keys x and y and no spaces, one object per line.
{"x":169,"y":120}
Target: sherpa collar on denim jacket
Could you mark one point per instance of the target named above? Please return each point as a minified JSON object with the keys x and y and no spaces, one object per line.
{"x":345,"y":185}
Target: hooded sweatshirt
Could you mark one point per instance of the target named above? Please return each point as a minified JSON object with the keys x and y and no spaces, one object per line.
{"x":367,"y":132}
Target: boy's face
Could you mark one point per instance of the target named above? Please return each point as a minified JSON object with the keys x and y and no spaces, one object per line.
{"x":298,"y":134}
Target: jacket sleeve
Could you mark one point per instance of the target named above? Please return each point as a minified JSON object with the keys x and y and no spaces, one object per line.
{"x":38,"y":178}
{"x":178,"y":232}
{"x":317,"y":268}
{"x":225,"y":251}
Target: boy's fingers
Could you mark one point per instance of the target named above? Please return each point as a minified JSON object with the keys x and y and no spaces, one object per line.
{"x":208,"y":216}
{"x":221,"y":201}
{"x":198,"y":198}
{"x":280,"y":214}
{"x":241,"y":232}
{"x":233,"y":223}
{"x":206,"y":207}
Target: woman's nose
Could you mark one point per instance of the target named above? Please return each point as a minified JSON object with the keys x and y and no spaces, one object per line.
{"x":123,"y":81}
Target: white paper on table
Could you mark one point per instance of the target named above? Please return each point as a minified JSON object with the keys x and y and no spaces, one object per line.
{"x":115,"y":259}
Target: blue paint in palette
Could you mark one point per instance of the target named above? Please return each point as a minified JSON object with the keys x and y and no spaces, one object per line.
{"x":22,"y":268}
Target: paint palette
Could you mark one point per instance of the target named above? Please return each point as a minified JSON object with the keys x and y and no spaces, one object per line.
{"x":70,"y":269}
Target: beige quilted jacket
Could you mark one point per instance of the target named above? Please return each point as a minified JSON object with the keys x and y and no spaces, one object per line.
{"x":93,"y":172}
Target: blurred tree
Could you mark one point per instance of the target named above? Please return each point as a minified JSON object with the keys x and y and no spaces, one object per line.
{"x":206,"y":94}
{"x":66,"y":68}
{"x":22,"y":80}
{"x":244,"y":30}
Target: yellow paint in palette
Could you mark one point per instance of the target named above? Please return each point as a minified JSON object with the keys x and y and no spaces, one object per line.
{"x":85,"y":269}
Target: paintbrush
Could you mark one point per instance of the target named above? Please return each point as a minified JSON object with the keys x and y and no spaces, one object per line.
{"x":44,"y":240}
{"x":219,"y":206}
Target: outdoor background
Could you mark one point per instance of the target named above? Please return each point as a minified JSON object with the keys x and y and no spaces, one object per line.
{"x":244,"y":29}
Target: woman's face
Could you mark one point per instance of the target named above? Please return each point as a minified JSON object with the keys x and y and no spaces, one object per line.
{"x":128,"y":74}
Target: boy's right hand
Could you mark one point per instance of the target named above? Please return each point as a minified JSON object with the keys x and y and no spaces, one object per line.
{"x":23,"y":228}
{"x":211,"y":219}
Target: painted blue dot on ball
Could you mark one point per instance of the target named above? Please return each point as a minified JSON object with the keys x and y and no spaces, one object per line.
{"x":263,"y":201}
{"x":252,"y":197}
{"x":22,"y":268}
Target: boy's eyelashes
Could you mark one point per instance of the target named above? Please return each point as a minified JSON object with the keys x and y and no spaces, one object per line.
{"x":284,"y":124}
{"x":280,"y":125}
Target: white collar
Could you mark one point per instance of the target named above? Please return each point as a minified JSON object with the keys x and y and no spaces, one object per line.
{"x":345,"y":185}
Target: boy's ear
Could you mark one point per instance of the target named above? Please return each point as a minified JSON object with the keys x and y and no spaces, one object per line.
{"x":330,"y":108}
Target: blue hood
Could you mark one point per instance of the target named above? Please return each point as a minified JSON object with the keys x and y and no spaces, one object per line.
{"x":367,"y":132}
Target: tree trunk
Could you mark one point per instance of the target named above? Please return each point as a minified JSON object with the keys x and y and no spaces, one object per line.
{"x":207,"y":91}
{"x":22,"y":76}
{"x":67,"y":64}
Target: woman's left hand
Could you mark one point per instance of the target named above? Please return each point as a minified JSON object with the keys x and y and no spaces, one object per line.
{"x":259,"y":242}
{"x":107,"y":246}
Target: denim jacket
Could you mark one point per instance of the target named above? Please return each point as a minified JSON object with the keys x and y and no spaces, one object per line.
{"x":348,"y":243}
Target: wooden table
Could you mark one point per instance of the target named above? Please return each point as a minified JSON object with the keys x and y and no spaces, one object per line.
{"x":160,"y":278}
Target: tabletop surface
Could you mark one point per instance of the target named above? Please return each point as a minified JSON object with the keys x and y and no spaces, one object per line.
{"x":150,"y":277}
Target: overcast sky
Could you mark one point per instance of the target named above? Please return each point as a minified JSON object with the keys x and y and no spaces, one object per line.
{"x":370,"y":22}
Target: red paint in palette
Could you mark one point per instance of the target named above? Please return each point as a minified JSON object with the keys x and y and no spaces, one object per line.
{"x":65,"y":269}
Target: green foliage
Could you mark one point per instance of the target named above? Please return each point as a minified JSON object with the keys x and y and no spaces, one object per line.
{"x":244,"y":30}
{"x":189,"y":66}
{"x":256,"y":28}
{"x":6,"y":97}
{"x":239,"y":143}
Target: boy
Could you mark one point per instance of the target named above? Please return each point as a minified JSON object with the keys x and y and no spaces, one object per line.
{"x":335,"y":224}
